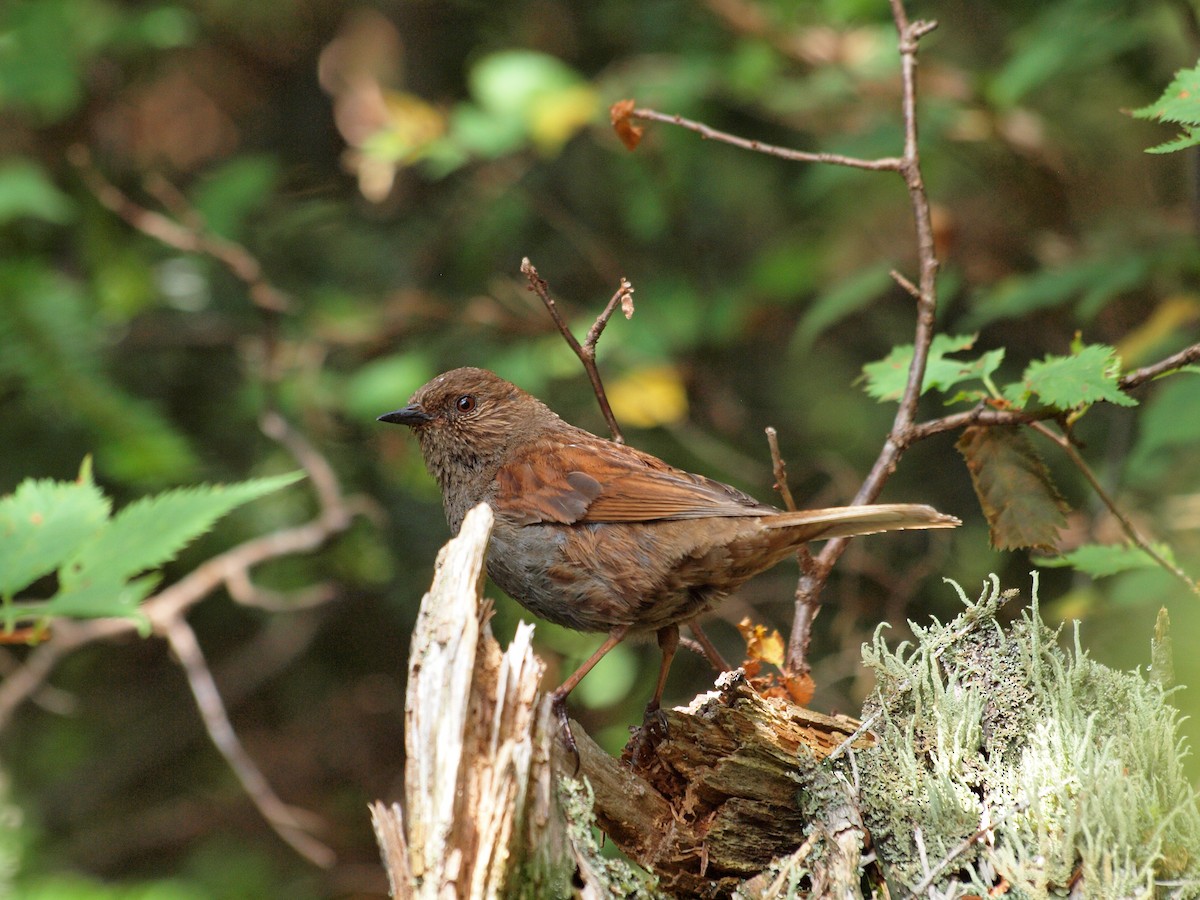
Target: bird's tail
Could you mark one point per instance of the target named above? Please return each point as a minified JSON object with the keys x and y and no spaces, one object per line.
{"x":847,"y":521}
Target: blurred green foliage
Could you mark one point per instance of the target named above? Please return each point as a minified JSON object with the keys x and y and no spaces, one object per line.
{"x":388,"y":165}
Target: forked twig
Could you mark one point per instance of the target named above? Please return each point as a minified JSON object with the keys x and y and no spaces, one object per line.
{"x":587,"y":350}
{"x":166,"y":611}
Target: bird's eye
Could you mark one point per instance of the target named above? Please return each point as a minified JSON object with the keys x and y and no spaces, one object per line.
{"x":465,"y":403}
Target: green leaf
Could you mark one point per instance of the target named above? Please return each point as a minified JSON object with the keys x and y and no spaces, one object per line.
{"x":1169,"y":422}
{"x":1189,"y":138}
{"x":151,"y":531}
{"x":886,"y":378}
{"x":26,"y":190}
{"x":1069,"y":382}
{"x":843,"y":299}
{"x":1102,"y":560}
{"x":1180,"y":101}
{"x":1089,"y":283}
{"x":228,"y":195}
{"x":42,"y":524}
{"x":1021,"y":504}
{"x":510,"y":82}
{"x":96,"y":599}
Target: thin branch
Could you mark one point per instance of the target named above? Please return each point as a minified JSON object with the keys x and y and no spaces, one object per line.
{"x":980,"y":414}
{"x":285,"y":821}
{"x":886,"y":164}
{"x":185,"y":236}
{"x":963,"y":846}
{"x":811,"y":584}
{"x":69,"y":635}
{"x":587,"y":350}
{"x":1138,"y":377}
{"x":779,"y":469}
{"x":1131,"y":531}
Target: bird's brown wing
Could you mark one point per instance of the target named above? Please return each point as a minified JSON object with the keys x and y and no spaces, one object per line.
{"x":593,"y":480}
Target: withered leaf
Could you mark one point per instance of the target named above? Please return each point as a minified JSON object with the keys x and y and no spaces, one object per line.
{"x":1020,"y":502}
{"x":761,"y":645}
{"x":627,"y":130}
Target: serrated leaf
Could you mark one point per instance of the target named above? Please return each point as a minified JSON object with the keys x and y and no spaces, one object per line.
{"x":1103,"y":560}
{"x":103,"y":599}
{"x":1189,"y":138}
{"x":1021,"y":504}
{"x":1179,"y":103}
{"x":1069,"y":382}
{"x":151,"y":531}
{"x":42,"y":524}
{"x":885,"y":379}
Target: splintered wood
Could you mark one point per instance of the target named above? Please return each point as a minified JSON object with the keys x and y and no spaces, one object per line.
{"x":475,"y":782}
{"x":719,"y":798}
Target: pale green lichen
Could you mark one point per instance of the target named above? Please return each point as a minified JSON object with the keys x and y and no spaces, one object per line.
{"x":606,"y":876}
{"x":1002,"y":758}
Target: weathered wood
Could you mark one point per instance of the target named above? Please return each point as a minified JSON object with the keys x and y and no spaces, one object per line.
{"x":478,"y":799}
{"x":723,"y":795}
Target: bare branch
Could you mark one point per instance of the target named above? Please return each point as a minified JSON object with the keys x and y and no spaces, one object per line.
{"x":587,"y":350}
{"x":186,"y":236}
{"x":1138,"y":377}
{"x":779,"y":469}
{"x":286,"y":822}
{"x":812,"y":582}
{"x":887,"y":164}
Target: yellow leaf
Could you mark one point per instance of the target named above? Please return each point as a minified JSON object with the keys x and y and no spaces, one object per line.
{"x":762,"y":645}
{"x":648,"y":397}
{"x":413,"y":122}
{"x":556,"y":116}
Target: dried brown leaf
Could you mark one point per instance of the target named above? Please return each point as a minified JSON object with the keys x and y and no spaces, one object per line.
{"x":1020,"y":502}
{"x":627,"y":130}
{"x":769,"y":647}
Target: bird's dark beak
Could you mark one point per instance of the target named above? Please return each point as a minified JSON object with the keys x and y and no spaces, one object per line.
{"x":410,"y":416}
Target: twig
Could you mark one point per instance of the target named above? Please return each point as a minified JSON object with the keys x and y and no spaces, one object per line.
{"x":815,"y":573}
{"x":779,"y":469}
{"x":184,"y":236}
{"x":1138,"y":377}
{"x":811,"y":584}
{"x":886,"y":164}
{"x":1064,"y":444}
{"x":587,"y":350}
{"x":981,"y":414}
{"x":279,"y":816}
{"x":165,"y":612}
{"x":962,"y":847}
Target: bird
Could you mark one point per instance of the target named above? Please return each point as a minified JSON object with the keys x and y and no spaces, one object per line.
{"x":599,"y":536}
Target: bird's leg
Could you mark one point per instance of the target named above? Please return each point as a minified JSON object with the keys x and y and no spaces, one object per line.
{"x":668,"y":643}
{"x":711,"y":653}
{"x":558,"y":699}
{"x":654,"y":723}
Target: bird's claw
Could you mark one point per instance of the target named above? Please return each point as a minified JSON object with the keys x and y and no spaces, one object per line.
{"x":558,"y":705}
{"x":652,"y":733}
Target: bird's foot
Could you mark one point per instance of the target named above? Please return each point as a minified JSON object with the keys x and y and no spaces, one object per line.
{"x":558,"y":706}
{"x":652,"y":733}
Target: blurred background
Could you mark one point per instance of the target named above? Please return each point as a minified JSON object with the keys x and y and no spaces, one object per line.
{"x":387,"y":166}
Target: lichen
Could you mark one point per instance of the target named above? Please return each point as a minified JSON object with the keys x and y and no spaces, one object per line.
{"x":1004,"y":759}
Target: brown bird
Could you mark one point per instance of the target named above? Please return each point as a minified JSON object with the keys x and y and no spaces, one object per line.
{"x":598,"y":536}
